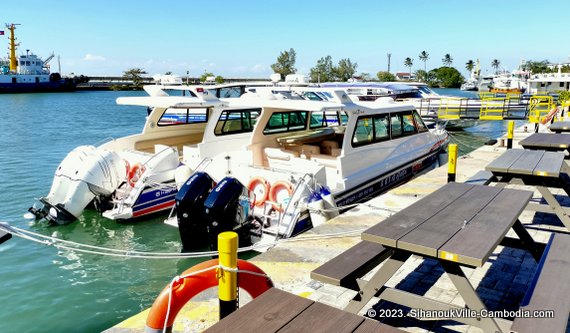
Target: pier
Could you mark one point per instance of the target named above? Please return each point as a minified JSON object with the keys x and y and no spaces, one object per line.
{"x":500,"y":285}
{"x":122,"y":83}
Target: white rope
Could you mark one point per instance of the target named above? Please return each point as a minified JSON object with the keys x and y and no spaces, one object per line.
{"x":97,"y":250}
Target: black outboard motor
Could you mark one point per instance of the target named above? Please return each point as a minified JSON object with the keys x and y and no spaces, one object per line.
{"x":192,"y":223}
{"x":228,"y":208}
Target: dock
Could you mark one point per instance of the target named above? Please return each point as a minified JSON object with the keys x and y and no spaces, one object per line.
{"x":501,"y":285}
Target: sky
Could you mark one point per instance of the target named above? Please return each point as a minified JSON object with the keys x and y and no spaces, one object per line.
{"x":241,"y":39}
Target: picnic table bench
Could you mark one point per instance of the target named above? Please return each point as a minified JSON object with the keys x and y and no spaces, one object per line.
{"x":459,"y":225}
{"x":537,"y":168}
{"x":547,"y":141}
{"x":550,"y":290}
{"x":560,"y":126}
{"x":279,"y":311}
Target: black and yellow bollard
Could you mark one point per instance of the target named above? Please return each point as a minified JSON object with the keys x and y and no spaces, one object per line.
{"x":227,"y":290}
{"x":452,"y":162}
{"x":510,"y":134}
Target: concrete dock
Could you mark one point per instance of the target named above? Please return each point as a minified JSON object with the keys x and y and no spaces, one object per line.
{"x":501,"y":285}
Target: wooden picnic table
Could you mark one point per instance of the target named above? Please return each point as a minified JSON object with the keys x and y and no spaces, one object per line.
{"x":279,"y":311}
{"x":458,"y":225}
{"x":537,"y":168}
{"x":560,"y":126}
{"x":547,"y":141}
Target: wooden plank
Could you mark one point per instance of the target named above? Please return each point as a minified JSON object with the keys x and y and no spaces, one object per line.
{"x":549,"y":165}
{"x":482,"y":177}
{"x":431,"y":235}
{"x":552,"y":291}
{"x":526,"y":162}
{"x":372,"y":326}
{"x":475,"y":242}
{"x":267,"y":313}
{"x":393,"y":228}
{"x":504,"y":162}
{"x":560,"y":126}
{"x":344,"y":269}
{"x":531,"y":140}
{"x":322,"y":318}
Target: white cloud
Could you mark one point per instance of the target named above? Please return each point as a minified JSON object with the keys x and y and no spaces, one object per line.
{"x":92,"y":57}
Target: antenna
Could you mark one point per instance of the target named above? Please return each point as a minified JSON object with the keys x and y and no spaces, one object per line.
{"x":58,"y":65}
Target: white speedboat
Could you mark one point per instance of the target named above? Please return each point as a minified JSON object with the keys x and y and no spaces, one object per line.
{"x":301,"y":157}
{"x":131,"y":176}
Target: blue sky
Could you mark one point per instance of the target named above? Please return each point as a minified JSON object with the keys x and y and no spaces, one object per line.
{"x":243,"y":38}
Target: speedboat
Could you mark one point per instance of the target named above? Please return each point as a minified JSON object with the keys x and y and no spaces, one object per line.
{"x":132,"y":176}
{"x":302,"y":162}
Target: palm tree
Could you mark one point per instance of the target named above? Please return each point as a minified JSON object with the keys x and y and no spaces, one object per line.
{"x":409,"y":62}
{"x":447,"y":60}
{"x":495,"y":64}
{"x":424,"y":56}
{"x":469,"y":65}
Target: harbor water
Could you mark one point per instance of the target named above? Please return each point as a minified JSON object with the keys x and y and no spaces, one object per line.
{"x":49,"y":290}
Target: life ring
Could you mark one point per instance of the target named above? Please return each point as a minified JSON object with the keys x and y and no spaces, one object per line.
{"x":134,"y":174}
{"x":276,"y":194}
{"x":184,"y":289}
{"x":260,"y":187}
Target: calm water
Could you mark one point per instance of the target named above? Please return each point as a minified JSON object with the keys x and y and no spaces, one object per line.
{"x":46,"y":290}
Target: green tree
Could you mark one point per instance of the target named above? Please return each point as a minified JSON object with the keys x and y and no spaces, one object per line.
{"x":365,"y":77}
{"x":205,"y":76}
{"x":469,"y":65}
{"x":427,"y":77}
{"x":447,"y":77}
{"x":385,"y":76}
{"x":285,"y":64}
{"x":496,"y":64}
{"x":536,"y":67}
{"x":135,"y":75}
{"x":324,"y":71}
{"x":424,"y":56}
{"x":219,"y":79}
{"x":345,"y":69}
{"x":409,"y":62}
{"x":447,"y":60}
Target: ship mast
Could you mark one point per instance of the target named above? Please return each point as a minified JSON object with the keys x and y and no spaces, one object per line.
{"x":13,"y":60}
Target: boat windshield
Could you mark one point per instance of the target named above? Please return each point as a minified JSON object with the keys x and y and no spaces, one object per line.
{"x":183,"y":116}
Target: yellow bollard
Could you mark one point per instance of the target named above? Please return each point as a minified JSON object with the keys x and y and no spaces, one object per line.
{"x":452,"y":162}
{"x":227,"y":289}
{"x":510,"y":134}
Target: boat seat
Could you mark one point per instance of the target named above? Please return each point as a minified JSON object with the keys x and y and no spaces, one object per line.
{"x":307,"y":150}
{"x":326,"y":160}
{"x":327,"y":146}
{"x":277,"y":157}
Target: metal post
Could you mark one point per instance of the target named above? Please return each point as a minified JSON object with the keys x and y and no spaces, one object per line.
{"x":510,"y":134}
{"x":452,"y":162}
{"x":227,"y":289}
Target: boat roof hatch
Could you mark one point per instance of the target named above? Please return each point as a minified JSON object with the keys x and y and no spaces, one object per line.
{"x":175,"y":102}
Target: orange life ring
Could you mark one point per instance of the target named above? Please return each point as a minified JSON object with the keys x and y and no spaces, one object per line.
{"x":184,"y":289}
{"x":275,"y":194}
{"x":134,"y":174}
{"x":255,"y":185}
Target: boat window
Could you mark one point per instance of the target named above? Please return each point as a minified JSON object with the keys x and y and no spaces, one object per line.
{"x":286,"y":122}
{"x":396,"y":125}
{"x":363,"y":133}
{"x":312,"y":96}
{"x":183,"y":116}
{"x":343,"y":118}
{"x":408,"y":123}
{"x":236,"y":121}
{"x":381,"y":127}
{"x":228,"y":92}
{"x":318,"y":119}
{"x":420,"y":125}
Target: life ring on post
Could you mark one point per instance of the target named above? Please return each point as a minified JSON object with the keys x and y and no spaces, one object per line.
{"x":201,"y":279}
{"x":277,"y":193}
{"x":549,"y":116}
{"x":134,"y":174}
{"x":260,"y":187}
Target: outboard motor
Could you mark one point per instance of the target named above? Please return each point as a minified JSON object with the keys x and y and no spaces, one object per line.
{"x":228,"y":208}
{"x":190,"y":199}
